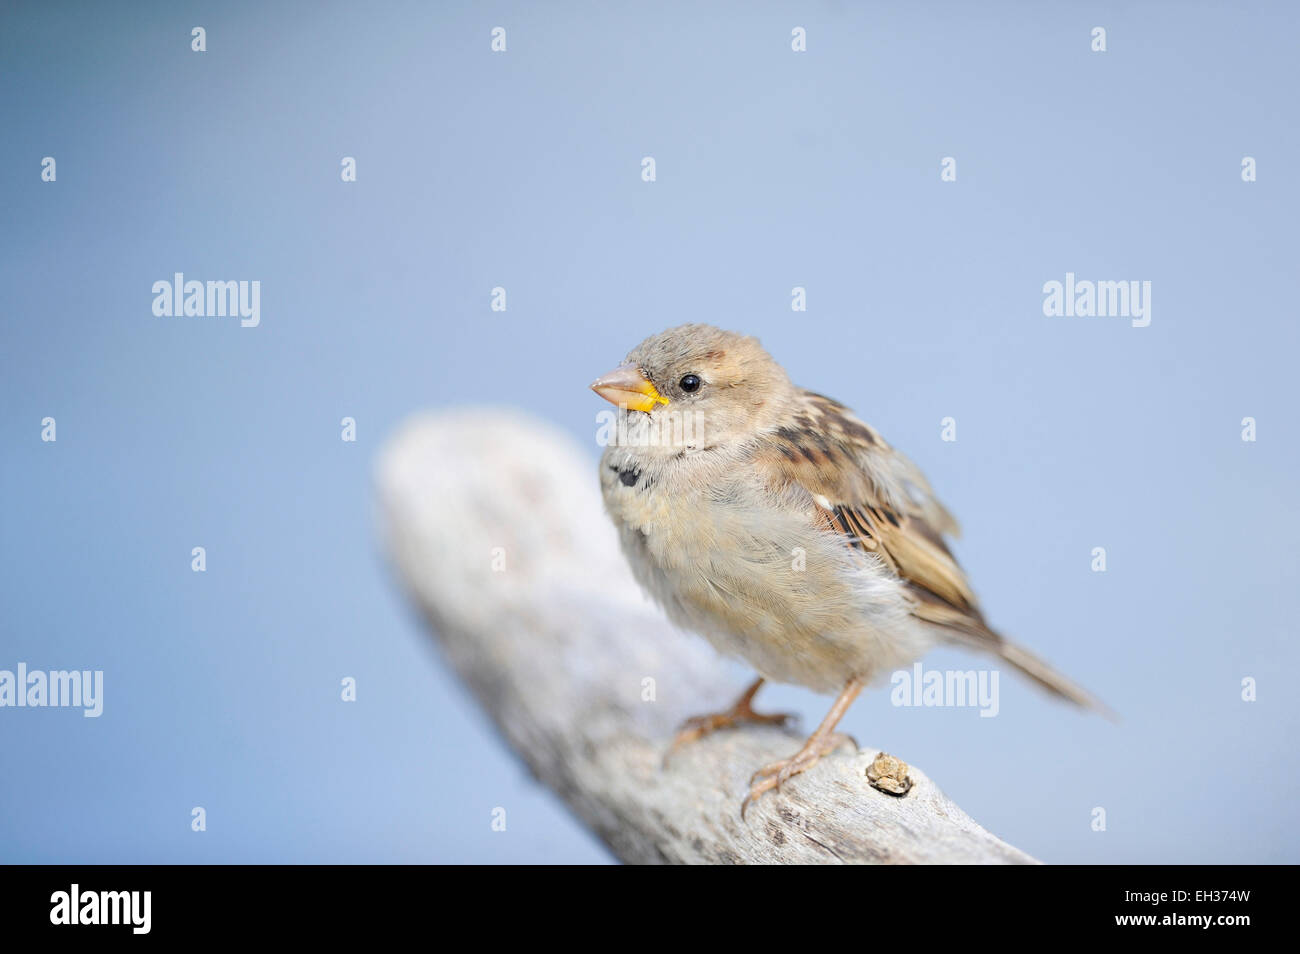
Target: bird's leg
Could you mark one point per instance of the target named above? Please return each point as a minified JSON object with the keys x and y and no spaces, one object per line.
{"x":824,"y":740}
{"x":742,"y":711}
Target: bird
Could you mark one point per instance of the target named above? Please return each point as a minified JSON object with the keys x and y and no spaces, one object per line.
{"x":778,"y":525}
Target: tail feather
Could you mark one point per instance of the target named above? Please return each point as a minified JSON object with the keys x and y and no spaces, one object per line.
{"x":966,"y":627}
{"x":1047,"y":677}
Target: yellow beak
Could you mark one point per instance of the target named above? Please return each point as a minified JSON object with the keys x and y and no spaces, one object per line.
{"x":628,"y":387}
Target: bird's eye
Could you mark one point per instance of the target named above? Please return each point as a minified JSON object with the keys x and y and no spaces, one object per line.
{"x":689,"y":383}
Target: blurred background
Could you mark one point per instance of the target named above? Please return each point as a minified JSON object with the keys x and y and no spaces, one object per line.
{"x":522,"y":169}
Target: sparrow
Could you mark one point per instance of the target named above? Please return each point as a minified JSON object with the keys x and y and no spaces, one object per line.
{"x":784,"y":529}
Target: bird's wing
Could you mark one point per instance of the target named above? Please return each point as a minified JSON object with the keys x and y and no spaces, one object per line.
{"x":881,"y":502}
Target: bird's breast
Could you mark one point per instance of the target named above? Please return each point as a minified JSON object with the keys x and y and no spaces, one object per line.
{"x":758,"y":577}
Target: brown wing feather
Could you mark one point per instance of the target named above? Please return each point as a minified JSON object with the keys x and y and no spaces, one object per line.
{"x":881,"y":503}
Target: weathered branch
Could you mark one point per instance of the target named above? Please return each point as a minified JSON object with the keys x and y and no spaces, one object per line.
{"x":494,"y":522}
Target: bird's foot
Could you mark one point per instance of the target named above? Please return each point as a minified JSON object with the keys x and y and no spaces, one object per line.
{"x":776,"y":774}
{"x":697,"y":727}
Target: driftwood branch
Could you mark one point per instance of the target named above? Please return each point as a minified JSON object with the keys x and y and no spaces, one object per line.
{"x":494,"y":523}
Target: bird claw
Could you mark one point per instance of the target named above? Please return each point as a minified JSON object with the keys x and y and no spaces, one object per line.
{"x":697,"y":727}
{"x":776,"y":774}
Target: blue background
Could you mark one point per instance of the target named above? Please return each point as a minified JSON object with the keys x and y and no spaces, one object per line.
{"x":522,"y":169}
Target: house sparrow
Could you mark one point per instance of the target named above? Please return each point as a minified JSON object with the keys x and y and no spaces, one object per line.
{"x":776,"y":524}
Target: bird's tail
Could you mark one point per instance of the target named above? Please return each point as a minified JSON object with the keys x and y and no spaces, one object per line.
{"x":967,"y":627}
{"x":1050,"y":679}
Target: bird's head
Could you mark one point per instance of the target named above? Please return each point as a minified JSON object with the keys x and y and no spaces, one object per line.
{"x":723,"y":381}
